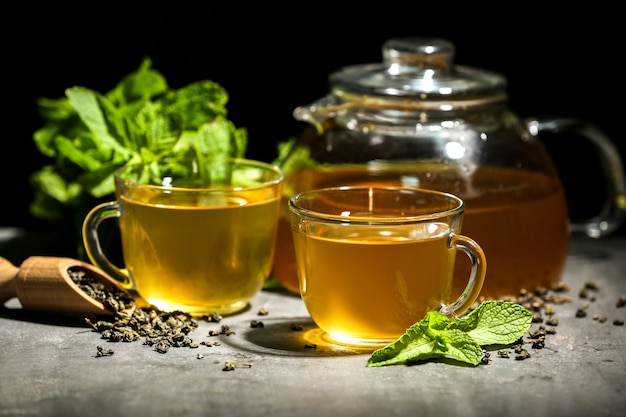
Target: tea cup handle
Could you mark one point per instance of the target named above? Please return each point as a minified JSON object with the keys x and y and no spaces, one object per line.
{"x":477,"y":274}
{"x":613,"y":212}
{"x":91,"y":241}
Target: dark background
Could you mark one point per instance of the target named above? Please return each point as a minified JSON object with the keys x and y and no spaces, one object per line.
{"x":272,"y":59}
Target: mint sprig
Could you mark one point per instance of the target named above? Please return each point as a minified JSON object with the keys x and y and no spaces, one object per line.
{"x":87,"y":135}
{"x":435,"y":336}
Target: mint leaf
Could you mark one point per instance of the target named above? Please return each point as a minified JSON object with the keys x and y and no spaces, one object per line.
{"x":143,"y":84}
{"x":63,"y":121}
{"x":292,"y":159}
{"x":162,"y":133}
{"x":428,"y":339}
{"x":58,"y":188}
{"x":197,"y":103}
{"x":100,"y":183}
{"x":88,"y":135}
{"x":84,"y":160}
{"x":495,"y":323}
{"x":100,"y":118}
{"x":435,"y":336}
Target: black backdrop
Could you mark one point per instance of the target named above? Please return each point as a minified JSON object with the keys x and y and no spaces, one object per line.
{"x":271,"y":59}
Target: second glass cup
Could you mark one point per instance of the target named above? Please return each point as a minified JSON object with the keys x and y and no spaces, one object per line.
{"x":372,"y":261}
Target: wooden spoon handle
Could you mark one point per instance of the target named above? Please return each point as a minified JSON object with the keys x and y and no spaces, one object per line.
{"x":8,"y":271}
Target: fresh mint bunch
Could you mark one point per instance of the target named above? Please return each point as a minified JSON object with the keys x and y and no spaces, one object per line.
{"x":88,"y":135}
{"x":435,"y":336}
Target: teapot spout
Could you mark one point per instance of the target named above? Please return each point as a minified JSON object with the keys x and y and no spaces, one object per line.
{"x":319,"y":111}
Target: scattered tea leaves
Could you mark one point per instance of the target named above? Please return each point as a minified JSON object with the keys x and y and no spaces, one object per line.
{"x":104,"y":352}
{"x":599,"y":318}
{"x":523,"y":354}
{"x":213,"y":317}
{"x":209,"y":343}
{"x":159,"y":329}
{"x":552,"y":321}
{"x":230,"y":366}
{"x":256,"y":324}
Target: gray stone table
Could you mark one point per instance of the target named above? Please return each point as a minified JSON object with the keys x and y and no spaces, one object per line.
{"x":49,"y":366}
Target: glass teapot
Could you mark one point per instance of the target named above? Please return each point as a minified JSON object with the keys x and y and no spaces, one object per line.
{"x":418,"y":120}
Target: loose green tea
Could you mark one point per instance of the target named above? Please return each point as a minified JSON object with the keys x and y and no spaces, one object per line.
{"x":165,"y":330}
{"x":113,"y":299}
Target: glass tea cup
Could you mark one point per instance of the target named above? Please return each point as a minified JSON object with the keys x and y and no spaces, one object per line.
{"x":197,"y":235}
{"x":372,"y":261}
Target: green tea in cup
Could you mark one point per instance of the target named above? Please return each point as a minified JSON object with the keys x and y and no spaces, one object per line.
{"x":196,"y":235}
{"x":372,"y":261}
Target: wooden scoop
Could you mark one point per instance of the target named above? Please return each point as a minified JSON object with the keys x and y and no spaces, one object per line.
{"x":43,"y":283}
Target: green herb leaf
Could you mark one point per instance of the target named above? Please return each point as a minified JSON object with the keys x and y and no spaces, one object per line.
{"x":198,"y":103}
{"x":100,"y":117}
{"x":428,"y":339}
{"x":89,"y":134}
{"x":435,"y":336}
{"x":495,"y":323}
{"x":139,"y":86}
{"x":292,"y":159}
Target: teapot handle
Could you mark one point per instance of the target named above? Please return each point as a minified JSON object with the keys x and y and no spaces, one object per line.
{"x":614,"y":210}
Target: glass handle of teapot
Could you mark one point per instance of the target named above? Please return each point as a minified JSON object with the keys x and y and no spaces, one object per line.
{"x":614,"y":209}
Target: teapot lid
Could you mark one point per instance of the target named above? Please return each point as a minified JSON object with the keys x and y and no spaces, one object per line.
{"x":420,"y":68}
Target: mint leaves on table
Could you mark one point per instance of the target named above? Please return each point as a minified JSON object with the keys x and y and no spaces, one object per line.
{"x":88,"y":135}
{"x":435,"y":336}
